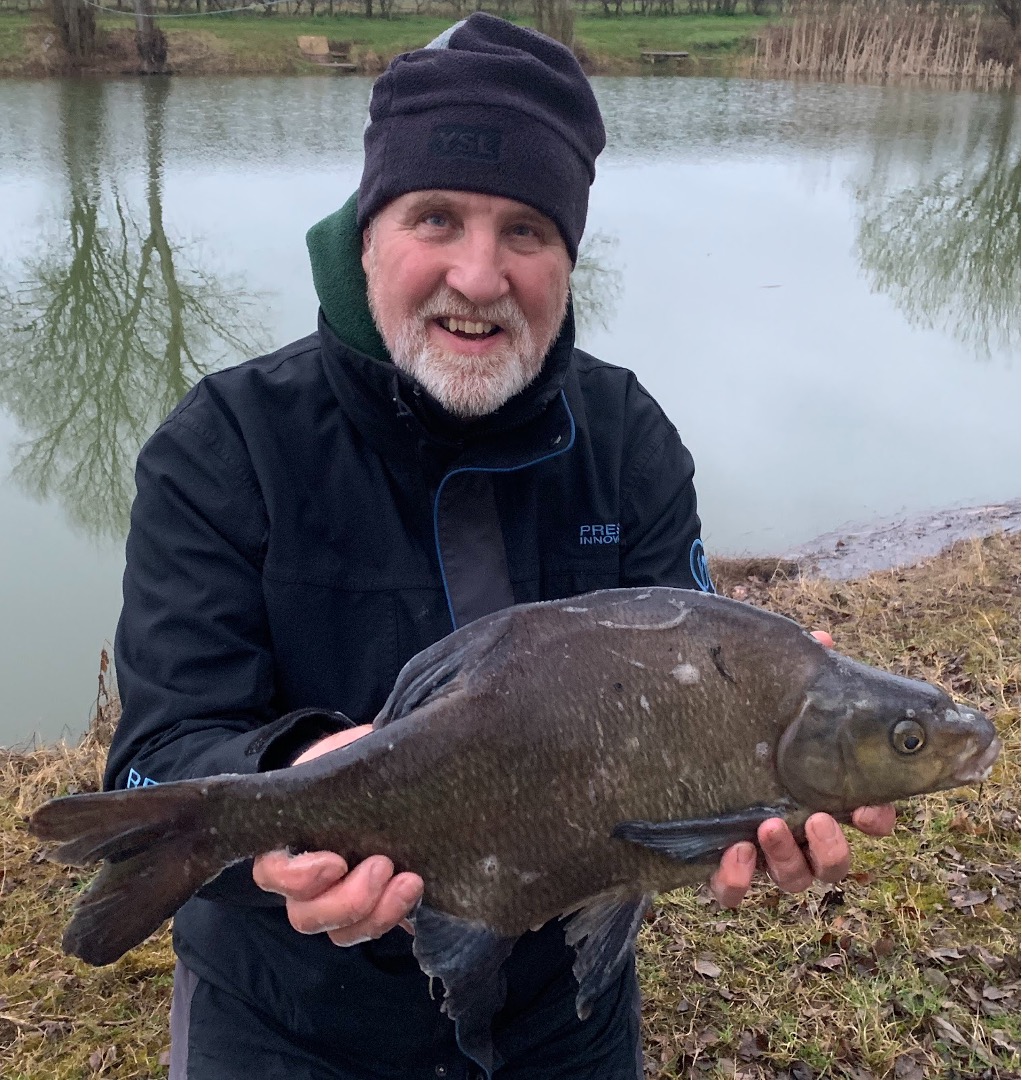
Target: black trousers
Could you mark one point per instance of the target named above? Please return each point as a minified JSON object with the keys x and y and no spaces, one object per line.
{"x":216,"y":1036}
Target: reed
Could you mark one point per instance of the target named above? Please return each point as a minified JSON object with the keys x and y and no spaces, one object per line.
{"x":881,"y":41}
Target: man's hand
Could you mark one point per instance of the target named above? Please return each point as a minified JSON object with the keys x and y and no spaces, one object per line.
{"x":827,"y":859}
{"x":828,"y":856}
{"x":323,"y":897}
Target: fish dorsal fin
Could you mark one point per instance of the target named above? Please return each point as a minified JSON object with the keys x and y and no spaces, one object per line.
{"x":467,"y":956}
{"x":698,"y":838}
{"x":609,"y":925}
{"x":445,"y":666}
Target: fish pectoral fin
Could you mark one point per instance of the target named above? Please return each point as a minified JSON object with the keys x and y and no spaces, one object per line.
{"x":609,"y":926}
{"x":698,"y":838}
{"x":467,"y":956}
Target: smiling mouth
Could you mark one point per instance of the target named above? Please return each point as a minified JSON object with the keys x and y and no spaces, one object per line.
{"x":468,"y":329}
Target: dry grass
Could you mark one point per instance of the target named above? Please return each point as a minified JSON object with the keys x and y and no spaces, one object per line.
{"x":883,"y":41}
{"x":60,"y":1019}
{"x":910,"y":969}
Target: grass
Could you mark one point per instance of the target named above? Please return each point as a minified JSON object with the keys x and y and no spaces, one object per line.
{"x":623,"y":39}
{"x":251,"y":43}
{"x":909,"y":969}
{"x":13,"y":46}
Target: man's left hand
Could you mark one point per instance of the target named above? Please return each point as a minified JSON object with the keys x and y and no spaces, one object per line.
{"x":793,"y":870}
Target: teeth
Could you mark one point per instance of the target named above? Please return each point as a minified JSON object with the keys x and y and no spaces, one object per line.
{"x":465,"y":327}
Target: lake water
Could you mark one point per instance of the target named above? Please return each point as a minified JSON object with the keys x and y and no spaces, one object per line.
{"x":819,"y":283}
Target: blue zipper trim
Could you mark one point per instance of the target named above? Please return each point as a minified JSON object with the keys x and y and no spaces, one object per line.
{"x":481,"y":469}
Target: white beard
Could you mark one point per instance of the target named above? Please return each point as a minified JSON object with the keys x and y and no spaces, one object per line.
{"x":467,"y":386}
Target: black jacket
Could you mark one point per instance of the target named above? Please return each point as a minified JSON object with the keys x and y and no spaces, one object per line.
{"x":304,"y":524}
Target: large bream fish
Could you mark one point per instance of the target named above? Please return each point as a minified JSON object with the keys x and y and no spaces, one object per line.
{"x":554,"y":759}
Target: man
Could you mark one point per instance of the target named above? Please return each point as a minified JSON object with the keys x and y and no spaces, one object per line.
{"x":309,"y":520}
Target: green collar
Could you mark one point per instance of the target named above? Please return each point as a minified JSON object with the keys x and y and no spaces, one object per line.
{"x":335,"y":249}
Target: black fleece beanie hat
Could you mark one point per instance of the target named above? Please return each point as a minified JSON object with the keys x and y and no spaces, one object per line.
{"x":488,"y":107}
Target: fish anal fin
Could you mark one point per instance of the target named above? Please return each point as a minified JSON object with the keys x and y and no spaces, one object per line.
{"x":603,"y":932}
{"x":467,"y":956}
{"x":698,"y":838}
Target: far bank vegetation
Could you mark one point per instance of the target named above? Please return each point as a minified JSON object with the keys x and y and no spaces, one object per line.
{"x":893,"y":40}
{"x":974,"y":44}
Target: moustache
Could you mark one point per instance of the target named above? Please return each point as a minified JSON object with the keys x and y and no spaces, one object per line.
{"x":504,"y":313}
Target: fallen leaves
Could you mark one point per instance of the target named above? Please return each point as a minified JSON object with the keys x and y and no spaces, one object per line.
{"x":937,"y":979}
{"x":706,"y":966}
{"x":968,"y":898}
{"x":831,"y":962}
{"x":1004,"y":1041}
{"x":752,"y":1044}
{"x":909,"y":1067}
{"x":100,"y":1060}
{"x":947,"y":1031}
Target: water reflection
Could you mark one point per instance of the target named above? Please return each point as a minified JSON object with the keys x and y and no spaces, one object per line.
{"x":596,"y":282}
{"x":109,"y":326}
{"x":945,"y":246}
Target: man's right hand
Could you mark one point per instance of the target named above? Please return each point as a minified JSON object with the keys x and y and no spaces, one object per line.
{"x":323,"y":897}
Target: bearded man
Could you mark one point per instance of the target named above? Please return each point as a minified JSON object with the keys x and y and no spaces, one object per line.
{"x":309,"y":520}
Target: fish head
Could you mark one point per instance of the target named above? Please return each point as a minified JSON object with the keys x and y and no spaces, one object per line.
{"x":864,"y":737}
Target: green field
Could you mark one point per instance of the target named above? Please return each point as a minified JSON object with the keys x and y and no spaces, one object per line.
{"x":253,"y":43}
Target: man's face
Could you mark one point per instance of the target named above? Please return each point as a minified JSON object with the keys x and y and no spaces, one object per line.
{"x":468,"y":291}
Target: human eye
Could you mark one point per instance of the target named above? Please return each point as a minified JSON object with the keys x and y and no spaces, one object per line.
{"x":526,"y":236}
{"x":435,"y":220}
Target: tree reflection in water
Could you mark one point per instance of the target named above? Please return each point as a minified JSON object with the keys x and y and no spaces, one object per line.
{"x":596,"y":283}
{"x":109,"y":326}
{"x":946,"y":248}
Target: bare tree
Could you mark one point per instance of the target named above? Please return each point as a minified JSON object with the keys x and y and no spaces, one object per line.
{"x":150,"y":40}
{"x":107,"y":330}
{"x":76,"y":25}
{"x":556,"y":19}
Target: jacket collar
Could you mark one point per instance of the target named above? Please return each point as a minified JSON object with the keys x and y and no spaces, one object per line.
{"x":371,"y":388}
{"x":335,"y":251}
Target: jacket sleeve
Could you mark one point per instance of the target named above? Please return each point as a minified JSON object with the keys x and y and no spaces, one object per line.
{"x":660,"y":528}
{"x":193,"y":656}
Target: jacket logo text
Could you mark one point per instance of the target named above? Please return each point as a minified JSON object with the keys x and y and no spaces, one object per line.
{"x":599,"y":534}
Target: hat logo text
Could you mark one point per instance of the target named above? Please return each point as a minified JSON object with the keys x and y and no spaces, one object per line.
{"x":470,"y":143}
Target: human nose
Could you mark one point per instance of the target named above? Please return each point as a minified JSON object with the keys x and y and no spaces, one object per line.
{"x":476,"y":270}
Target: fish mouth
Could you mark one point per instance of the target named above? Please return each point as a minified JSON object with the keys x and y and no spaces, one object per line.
{"x":979,"y":768}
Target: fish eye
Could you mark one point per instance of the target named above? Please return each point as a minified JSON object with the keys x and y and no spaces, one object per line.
{"x":908,"y":737}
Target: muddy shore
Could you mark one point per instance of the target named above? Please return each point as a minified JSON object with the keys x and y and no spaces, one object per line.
{"x":859,"y":549}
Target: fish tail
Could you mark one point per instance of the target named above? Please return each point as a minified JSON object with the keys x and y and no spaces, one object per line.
{"x":158,"y":847}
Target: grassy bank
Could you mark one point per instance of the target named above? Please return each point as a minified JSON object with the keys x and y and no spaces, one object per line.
{"x":254,"y":44}
{"x":910,"y":969}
